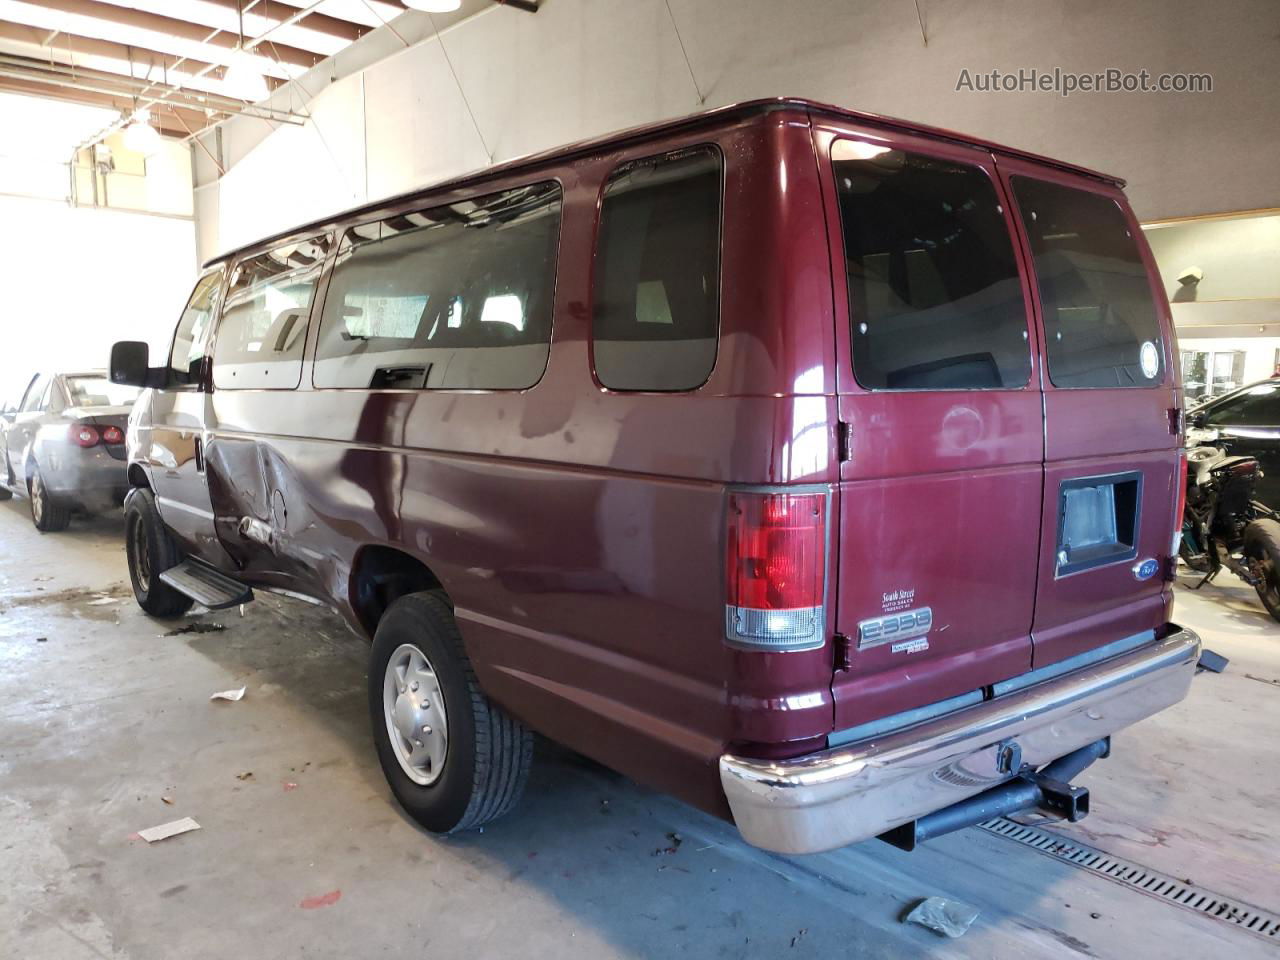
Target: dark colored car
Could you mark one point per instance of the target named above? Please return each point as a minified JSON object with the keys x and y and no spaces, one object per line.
{"x":63,"y":446}
{"x":1246,"y":423}
{"x":818,"y":468}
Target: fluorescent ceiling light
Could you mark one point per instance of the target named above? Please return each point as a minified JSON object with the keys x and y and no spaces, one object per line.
{"x":433,"y":6}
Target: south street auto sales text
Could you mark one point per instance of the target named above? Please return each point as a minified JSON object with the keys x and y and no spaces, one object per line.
{"x":1065,"y":82}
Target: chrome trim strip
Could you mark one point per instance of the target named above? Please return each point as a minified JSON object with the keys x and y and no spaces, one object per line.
{"x":842,"y":795}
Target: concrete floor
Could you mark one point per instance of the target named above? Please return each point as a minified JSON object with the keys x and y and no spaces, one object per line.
{"x":302,"y":852}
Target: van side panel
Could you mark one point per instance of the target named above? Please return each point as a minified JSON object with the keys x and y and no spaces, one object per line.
{"x":577,"y":530}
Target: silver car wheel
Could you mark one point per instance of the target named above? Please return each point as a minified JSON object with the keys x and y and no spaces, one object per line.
{"x":37,"y":498}
{"x":414,"y":709}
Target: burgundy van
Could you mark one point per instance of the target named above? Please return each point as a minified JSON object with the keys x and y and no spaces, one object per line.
{"x":818,"y":468}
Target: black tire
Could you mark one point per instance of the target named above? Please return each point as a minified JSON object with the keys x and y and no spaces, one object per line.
{"x":47,"y":514}
{"x":5,"y":492}
{"x":488,"y":755}
{"x":151,"y":550}
{"x":1262,"y":544}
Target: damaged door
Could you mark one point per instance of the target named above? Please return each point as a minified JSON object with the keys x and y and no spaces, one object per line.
{"x":257,"y":367}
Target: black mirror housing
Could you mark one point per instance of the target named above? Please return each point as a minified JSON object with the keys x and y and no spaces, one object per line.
{"x":129,"y":363}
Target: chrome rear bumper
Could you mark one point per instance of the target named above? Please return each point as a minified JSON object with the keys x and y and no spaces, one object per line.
{"x":836,"y":797}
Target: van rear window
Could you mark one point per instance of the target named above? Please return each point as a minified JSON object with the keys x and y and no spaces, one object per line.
{"x":1101,"y":326}
{"x":453,"y":297}
{"x":657,"y":290}
{"x":934,"y":295}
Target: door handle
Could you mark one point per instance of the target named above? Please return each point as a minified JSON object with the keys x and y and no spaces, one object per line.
{"x":199,"y":451}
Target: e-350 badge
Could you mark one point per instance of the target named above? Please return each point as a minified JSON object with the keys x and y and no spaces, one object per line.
{"x":897,"y":627}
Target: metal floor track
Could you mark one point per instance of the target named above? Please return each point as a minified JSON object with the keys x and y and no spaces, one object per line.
{"x":1143,"y":879}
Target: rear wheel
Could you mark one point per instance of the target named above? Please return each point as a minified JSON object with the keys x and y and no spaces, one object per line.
{"x":47,"y":514}
{"x":151,"y":550}
{"x":1262,"y":548}
{"x":453,"y":759}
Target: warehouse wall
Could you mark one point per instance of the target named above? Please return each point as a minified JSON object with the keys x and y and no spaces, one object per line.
{"x":78,"y":279}
{"x":582,"y":67}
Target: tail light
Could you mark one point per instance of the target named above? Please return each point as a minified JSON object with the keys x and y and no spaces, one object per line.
{"x":84,"y":435}
{"x":112,"y":435}
{"x":1180,"y":478}
{"x":776,"y":570}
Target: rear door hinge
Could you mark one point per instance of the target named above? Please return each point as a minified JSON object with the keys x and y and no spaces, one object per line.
{"x":844,"y":440}
{"x":1175,"y":421}
{"x":843,"y":652}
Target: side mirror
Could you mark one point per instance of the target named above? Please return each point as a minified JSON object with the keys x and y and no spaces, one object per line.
{"x":1197,"y":418}
{"x":130,"y":364}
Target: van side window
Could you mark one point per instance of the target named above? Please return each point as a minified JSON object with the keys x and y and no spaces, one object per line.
{"x":453,"y":297}
{"x":263,"y":327}
{"x":193,"y":326}
{"x":1100,"y":323}
{"x":657,"y":286}
{"x":935,"y":301}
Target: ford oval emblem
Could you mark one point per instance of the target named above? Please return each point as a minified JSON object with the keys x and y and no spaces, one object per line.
{"x":1145,"y":569}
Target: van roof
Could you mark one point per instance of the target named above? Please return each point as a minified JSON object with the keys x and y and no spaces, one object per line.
{"x":650,"y":130}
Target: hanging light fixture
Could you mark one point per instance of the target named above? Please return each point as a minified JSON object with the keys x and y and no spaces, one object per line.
{"x":242,"y":78}
{"x":140,"y":136}
{"x":433,"y":6}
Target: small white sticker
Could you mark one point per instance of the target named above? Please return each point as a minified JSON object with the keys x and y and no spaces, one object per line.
{"x":1149,"y":357}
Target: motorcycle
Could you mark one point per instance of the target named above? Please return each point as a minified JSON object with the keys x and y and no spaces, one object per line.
{"x":1223,"y":526}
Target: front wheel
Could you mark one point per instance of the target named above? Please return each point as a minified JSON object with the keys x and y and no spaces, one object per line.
{"x":47,"y":514}
{"x":453,"y":759}
{"x":151,"y":550}
{"x":1262,"y":549}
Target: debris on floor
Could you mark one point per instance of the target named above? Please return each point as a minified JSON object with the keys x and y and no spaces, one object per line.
{"x":289,"y":785}
{"x":1250,"y":676}
{"x":944,"y":916}
{"x":247,"y":775}
{"x":324,"y":900}
{"x":42,"y":639}
{"x":168,"y":800}
{"x":167,"y":830}
{"x":103,"y":601}
{"x":675,"y":839}
{"x":195,"y":628}
{"x":232,"y":695}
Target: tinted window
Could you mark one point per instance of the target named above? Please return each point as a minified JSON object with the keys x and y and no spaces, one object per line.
{"x":457,"y":297}
{"x":1099,"y":315}
{"x":263,"y":328}
{"x":934,"y":296}
{"x":1256,"y":406}
{"x":657,"y":287}
{"x":193,"y":326}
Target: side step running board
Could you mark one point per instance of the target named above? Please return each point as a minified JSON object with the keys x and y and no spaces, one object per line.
{"x":206,"y":585}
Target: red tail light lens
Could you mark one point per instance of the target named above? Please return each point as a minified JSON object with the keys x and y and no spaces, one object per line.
{"x":112,"y":435}
{"x":84,"y":435}
{"x":776,"y":570}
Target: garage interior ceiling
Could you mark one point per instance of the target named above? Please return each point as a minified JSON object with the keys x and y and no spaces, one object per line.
{"x":171,"y":57}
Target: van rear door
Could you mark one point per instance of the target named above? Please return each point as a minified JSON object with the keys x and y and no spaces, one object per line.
{"x":941,"y":416}
{"x":1111,"y":427}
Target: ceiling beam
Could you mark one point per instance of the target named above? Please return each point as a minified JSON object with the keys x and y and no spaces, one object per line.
{"x":319,"y":22}
{"x":63,"y":48}
{"x":163,"y":119}
{"x":168,"y":26}
{"x":117,"y":85}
